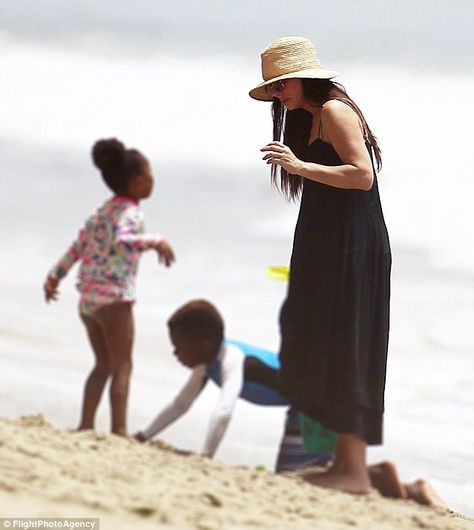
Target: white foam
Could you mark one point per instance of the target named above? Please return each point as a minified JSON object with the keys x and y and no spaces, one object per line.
{"x":198,"y":113}
{"x":172,"y":108}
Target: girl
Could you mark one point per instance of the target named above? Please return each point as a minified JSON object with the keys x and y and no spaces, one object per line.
{"x":109,"y":247}
{"x":335,"y":319}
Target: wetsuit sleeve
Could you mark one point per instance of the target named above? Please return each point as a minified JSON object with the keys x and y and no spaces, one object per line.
{"x":180,"y":404}
{"x":232,"y":373}
{"x":72,"y":254}
{"x":130,"y":234}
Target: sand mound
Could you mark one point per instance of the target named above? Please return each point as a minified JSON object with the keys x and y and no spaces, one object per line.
{"x":50,"y":473}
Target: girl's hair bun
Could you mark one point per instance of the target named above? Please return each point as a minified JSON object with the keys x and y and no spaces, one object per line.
{"x":109,"y":154}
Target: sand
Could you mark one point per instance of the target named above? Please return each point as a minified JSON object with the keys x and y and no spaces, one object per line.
{"x":46,"y":472}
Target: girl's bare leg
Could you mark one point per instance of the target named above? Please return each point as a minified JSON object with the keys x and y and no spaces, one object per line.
{"x":97,"y":378}
{"x":116,"y":321}
{"x":349,"y":471}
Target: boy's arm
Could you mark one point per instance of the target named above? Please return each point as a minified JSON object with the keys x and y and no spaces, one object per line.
{"x":178,"y":406}
{"x":62,"y":267}
{"x":232,"y":372}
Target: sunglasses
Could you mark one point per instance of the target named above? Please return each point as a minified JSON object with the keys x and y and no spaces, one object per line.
{"x":276,"y":86}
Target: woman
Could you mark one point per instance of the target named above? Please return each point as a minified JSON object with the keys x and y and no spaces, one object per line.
{"x":335,"y":319}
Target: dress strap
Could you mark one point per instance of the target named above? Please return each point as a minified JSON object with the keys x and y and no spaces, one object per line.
{"x":370,"y":149}
{"x":320,"y":128}
{"x":364,"y":130}
{"x":358,"y":114}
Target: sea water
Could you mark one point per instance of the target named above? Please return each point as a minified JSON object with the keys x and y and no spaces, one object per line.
{"x":72,"y":77}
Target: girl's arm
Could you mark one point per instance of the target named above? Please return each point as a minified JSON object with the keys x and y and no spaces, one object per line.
{"x":178,"y":406}
{"x":232,"y":374}
{"x":129,"y":236}
{"x":62,"y":267}
{"x":342,"y":129}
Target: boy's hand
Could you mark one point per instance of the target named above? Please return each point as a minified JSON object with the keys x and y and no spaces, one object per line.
{"x":165,"y":253}
{"x":50,"y":289}
{"x":139,"y":437}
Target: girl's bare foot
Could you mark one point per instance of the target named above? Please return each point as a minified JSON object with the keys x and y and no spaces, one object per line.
{"x":384,"y":478}
{"x":121,"y":432}
{"x":338,"y":480}
{"x":422,"y":492}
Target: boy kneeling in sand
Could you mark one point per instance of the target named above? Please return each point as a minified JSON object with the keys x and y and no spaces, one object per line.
{"x":197,"y":334}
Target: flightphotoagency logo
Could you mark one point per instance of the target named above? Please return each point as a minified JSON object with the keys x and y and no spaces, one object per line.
{"x":56,"y":523}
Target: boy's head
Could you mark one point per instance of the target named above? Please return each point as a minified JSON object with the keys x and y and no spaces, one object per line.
{"x":196,"y":331}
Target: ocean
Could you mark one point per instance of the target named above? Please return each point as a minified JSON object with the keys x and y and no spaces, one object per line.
{"x":172,"y":79}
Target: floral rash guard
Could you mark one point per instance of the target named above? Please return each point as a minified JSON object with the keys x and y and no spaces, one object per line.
{"x":109,"y":247}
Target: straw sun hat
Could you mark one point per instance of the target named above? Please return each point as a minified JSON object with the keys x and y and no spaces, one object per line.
{"x":287,"y":58}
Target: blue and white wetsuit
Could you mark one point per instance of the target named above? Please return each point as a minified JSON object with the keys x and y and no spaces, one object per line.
{"x":237,"y":368}
{"x":227,"y":371}
{"x":257,"y":364}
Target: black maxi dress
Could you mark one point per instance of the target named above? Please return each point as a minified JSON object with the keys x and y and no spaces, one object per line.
{"x":335,"y":319}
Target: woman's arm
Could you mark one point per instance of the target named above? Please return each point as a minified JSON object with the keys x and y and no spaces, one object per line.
{"x":342,"y":129}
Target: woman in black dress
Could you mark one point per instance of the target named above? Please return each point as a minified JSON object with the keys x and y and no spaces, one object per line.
{"x":335,"y":320}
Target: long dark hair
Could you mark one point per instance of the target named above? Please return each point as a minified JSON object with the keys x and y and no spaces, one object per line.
{"x":296,"y":127}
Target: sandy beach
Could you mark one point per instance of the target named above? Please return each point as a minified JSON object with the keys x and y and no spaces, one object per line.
{"x":172,"y":78}
{"x":46,"y":472}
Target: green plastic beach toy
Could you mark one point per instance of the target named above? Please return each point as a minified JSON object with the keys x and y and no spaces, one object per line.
{"x":316,"y":437}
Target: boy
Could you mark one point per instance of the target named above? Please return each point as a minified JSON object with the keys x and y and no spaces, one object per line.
{"x":197,"y":333}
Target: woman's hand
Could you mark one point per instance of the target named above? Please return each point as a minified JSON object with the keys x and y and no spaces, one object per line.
{"x":165,"y":253}
{"x":281,"y":155}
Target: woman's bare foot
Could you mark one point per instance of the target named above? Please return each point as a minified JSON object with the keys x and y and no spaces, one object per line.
{"x":384,"y":478}
{"x":422,"y":492}
{"x":338,"y":480}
